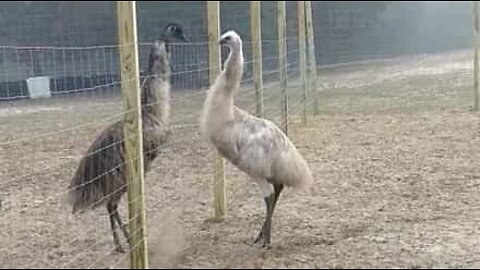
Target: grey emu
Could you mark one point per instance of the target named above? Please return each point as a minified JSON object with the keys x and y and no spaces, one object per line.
{"x":256,"y":146}
{"x":100,"y":177}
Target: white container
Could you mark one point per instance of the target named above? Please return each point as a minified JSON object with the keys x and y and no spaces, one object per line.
{"x":39,"y":87}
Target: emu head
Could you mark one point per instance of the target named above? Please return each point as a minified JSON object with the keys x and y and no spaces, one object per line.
{"x":173,"y":31}
{"x":231,"y":40}
{"x":158,"y":60}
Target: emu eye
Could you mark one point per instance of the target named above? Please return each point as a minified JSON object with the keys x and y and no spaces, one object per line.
{"x":228,"y":38}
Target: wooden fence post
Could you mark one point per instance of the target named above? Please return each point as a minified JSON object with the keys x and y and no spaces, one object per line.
{"x":282,"y":61}
{"x":127,"y":35}
{"x":256,"y":30}
{"x":219,"y":185}
{"x":302,"y":56}
{"x":312,"y":63}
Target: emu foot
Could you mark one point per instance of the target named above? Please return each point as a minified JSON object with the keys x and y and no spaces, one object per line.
{"x":119,"y":249}
{"x":264,"y":241}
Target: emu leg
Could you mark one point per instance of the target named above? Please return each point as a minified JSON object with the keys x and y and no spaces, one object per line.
{"x":121,"y":224}
{"x":270,"y":203}
{"x":113,"y":224}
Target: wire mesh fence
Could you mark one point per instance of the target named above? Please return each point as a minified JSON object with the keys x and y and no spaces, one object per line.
{"x":394,"y":142}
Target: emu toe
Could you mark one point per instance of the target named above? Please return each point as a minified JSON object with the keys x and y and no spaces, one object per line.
{"x":259,"y":237}
{"x":119,"y":249}
{"x":265,"y":242}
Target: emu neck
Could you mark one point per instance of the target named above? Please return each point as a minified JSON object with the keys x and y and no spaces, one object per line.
{"x":155,"y":98}
{"x":234,"y":70}
{"x":223,"y":93}
{"x":167,"y":39}
{"x":156,"y":94}
{"x":218,"y":107}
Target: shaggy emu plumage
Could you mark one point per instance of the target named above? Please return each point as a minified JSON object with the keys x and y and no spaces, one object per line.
{"x":100,"y":177}
{"x":256,"y":146}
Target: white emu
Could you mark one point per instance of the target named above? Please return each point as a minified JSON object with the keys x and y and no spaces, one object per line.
{"x":256,"y":146}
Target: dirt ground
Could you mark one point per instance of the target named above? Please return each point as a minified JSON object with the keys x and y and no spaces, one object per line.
{"x":394,"y":151}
